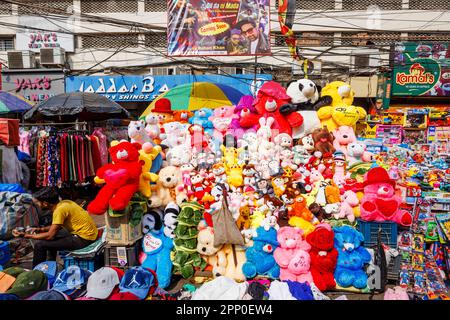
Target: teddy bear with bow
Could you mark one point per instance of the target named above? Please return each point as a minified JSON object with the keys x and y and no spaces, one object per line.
{"x":121,"y":178}
{"x":380,"y":203}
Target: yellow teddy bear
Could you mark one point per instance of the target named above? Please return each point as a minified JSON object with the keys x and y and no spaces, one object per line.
{"x":147,"y":154}
{"x":341,"y":112}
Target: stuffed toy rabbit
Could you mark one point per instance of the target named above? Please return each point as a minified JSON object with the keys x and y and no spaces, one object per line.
{"x":266,"y":148}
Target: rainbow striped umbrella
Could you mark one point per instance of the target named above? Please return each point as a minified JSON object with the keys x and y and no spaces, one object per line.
{"x":197,"y":95}
{"x":10,"y":103}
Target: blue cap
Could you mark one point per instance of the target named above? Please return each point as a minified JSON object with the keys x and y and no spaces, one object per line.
{"x":8,"y":296}
{"x":49,"y":295}
{"x":50,"y":268}
{"x":137,"y":281}
{"x":72,"y":281}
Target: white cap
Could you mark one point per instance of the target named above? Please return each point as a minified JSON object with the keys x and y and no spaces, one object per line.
{"x":102,"y":282}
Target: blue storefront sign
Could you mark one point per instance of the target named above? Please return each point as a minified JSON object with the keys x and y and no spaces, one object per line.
{"x":147,"y":88}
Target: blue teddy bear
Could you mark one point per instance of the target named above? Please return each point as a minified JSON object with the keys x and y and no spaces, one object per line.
{"x":156,"y":256}
{"x":201,"y":117}
{"x":351,"y":258}
{"x":260,"y":260}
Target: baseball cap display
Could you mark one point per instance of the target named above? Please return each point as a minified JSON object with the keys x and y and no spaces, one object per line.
{"x":102,"y":282}
{"x":7,"y":296}
{"x":27,"y":283}
{"x":137,"y":281}
{"x":49,"y":268}
{"x":123,"y":296}
{"x":49,"y":295}
{"x":72,"y":281}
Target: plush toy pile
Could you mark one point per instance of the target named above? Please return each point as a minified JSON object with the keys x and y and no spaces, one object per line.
{"x":293,"y":172}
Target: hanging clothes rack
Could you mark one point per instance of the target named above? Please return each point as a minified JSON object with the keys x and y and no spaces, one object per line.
{"x":79,"y":125}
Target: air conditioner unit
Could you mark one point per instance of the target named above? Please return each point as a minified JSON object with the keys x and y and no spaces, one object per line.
{"x":21,"y":60}
{"x":227,"y":70}
{"x":53,"y":56}
{"x":314,"y":67}
{"x":162,"y":71}
{"x":364,"y":59}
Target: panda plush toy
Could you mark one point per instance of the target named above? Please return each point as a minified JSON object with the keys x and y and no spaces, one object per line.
{"x":305,"y":100}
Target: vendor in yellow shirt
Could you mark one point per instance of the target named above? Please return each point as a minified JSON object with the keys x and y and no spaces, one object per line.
{"x":72,"y":227}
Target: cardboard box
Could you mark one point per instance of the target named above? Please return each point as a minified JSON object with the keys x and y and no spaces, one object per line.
{"x":125,"y":229}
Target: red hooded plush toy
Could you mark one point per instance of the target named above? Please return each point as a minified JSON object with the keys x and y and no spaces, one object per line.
{"x":323,"y":256}
{"x":271,"y":96}
{"x":121,"y":178}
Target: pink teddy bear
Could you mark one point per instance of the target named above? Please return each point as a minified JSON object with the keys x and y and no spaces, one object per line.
{"x":299,"y":266}
{"x":349,"y":200}
{"x":380,"y":202}
{"x":290,"y":243}
{"x":343,"y":136}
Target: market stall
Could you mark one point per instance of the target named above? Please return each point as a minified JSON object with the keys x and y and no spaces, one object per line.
{"x":285,"y":195}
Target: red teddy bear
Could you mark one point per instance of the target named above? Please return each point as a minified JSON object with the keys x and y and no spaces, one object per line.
{"x":121,"y":178}
{"x":323,"y":256}
{"x":271,"y":96}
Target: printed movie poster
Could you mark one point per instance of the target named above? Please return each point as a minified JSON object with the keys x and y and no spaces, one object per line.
{"x":218,"y":27}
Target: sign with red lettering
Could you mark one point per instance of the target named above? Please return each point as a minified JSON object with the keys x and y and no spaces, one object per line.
{"x":34,"y":86}
{"x":51,"y":35}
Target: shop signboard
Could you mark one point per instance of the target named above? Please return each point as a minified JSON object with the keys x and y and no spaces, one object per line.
{"x":40,"y":33}
{"x":147,"y":88}
{"x":421,"y":69}
{"x":34,"y":84}
{"x":218,"y":27}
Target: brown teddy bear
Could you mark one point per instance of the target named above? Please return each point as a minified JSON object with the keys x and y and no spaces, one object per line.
{"x":243,"y":222}
{"x":169,"y":188}
{"x":226,"y":260}
{"x":323,"y":140}
{"x":319,"y":212}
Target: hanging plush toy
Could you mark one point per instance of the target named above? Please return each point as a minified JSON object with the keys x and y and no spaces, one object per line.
{"x":341,"y":112}
{"x":304,"y":100}
{"x":271,"y":96}
{"x":121,"y":178}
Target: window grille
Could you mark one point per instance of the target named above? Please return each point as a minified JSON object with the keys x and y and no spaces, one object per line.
{"x":318,"y":39}
{"x":112,"y":40}
{"x":6,"y":44}
{"x":156,"y":5}
{"x":362,"y":38}
{"x":429,"y":5}
{"x":419,"y":36}
{"x":109,"y":6}
{"x":5,"y":8}
{"x":314,"y":5}
{"x":363,"y":5}
{"x":45,"y":7}
{"x":156,"y":40}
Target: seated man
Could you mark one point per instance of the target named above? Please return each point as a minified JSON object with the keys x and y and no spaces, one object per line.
{"x":72,"y":227}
